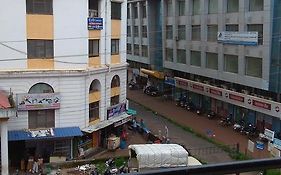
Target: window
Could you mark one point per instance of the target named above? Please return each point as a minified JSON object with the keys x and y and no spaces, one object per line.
{"x":169,"y":6}
{"x":169,"y":32}
{"x":181,"y":32}
{"x":128,"y":12}
{"x":136,"y":31}
{"x":114,"y":100}
{"x":41,"y":88}
{"x":196,"y":33}
{"x":129,"y":34}
{"x":40,"y":49}
{"x":255,"y":5}
{"x":94,"y":111}
{"x":212,"y":33}
{"x":212,"y":60}
{"x":232,"y":6}
{"x":181,"y":6}
{"x":114,"y":46}
{"x":136,"y":49}
{"x":181,"y":56}
{"x":257,"y":28}
{"x":254,"y":67}
{"x":115,"y":10}
{"x":195,"y":58}
{"x":231,"y":63}
{"x":169,"y":55}
{"x":144,"y":10}
{"x":44,"y":7}
{"x":41,"y":119}
{"x":213,"y":6}
{"x":144,"y":51}
{"x":144,"y":31}
{"x":93,"y":48}
{"x":196,"y":7}
{"x":232,"y":27}
{"x":129,"y":48}
{"x":136,"y":11}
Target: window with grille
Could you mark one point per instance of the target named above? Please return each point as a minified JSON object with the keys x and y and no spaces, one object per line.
{"x":44,"y":7}
{"x":144,"y":51}
{"x":94,"y":111}
{"x":136,"y":49}
{"x":212,"y":33}
{"x":40,"y":49}
{"x":231,"y":63}
{"x":181,"y":56}
{"x":253,"y":66}
{"x":195,"y":58}
{"x":181,"y":32}
{"x":93,"y":48}
{"x":212,"y":60}
{"x":115,"y":10}
{"x":114,"y":46}
{"x":196,"y":33}
{"x":41,"y":119}
{"x":129,"y":48}
{"x":169,"y":32}
{"x":232,"y":6}
{"x":169,"y":55}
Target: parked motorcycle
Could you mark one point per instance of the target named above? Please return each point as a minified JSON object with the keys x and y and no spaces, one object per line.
{"x":239,"y":126}
{"x":133,"y":85}
{"x":111,"y":169}
{"x":211,"y":114}
{"x":225,"y":121}
{"x":189,"y":106}
{"x":199,"y":110}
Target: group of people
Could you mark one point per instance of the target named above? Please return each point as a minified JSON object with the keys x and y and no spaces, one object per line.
{"x":33,"y":164}
{"x":138,"y":126}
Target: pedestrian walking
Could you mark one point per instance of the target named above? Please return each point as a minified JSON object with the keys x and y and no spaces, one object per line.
{"x":134,"y":124}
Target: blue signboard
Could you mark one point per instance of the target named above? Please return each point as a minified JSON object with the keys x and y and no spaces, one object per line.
{"x":259,"y":145}
{"x":170,"y":81}
{"x":95,"y":23}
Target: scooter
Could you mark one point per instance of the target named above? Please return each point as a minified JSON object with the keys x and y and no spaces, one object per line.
{"x":239,"y":126}
{"x":211,"y":114}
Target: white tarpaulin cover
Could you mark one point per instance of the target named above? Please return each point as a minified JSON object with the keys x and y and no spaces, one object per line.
{"x":159,"y":155}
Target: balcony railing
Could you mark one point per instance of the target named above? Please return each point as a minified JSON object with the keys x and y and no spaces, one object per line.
{"x":93,"y":13}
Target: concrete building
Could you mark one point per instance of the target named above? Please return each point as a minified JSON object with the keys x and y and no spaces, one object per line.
{"x":65,"y":63}
{"x":223,"y":54}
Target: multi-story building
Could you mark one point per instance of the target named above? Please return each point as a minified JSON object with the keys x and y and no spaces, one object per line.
{"x":224,"y":54}
{"x":65,"y":64}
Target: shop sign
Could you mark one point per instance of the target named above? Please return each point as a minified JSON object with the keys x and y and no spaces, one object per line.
{"x":38,"y":101}
{"x":116,"y":110}
{"x":262,"y":104}
{"x":170,"y":81}
{"x":181,"y":83}
{"x":121,"y":122}
{"x":277,"y":143}
{"x":198,"y":87}
{"x":236,"y":97}
{"x":95,"y":23}
{"x":215,"y":92}
{"x":259,"y":145}
{"x":240,"y":38}
{"x":269,"y":135}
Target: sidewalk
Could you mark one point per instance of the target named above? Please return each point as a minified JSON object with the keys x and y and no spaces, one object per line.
{"x":200,"y":124}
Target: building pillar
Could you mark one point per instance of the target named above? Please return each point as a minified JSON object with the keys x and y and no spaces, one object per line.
{"x":4,"y":148}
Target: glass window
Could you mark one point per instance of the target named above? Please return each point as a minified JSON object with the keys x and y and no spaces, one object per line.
{"x":129,"y":34}
{"x":181,"y":56}
{"x":254,"y":66}
{"x":94,"y":111}
{"x":129,"y":48}
{"x":212,"y":33}
{"x":169,"y":32}
{"x":232,"y":27}
{"x":136,"y":11}
{"x":93,"y":48}
{"x":144,"y":9}
{"x":257,"y":28}
{"x":169,"y":6}
{"x":232,"y":6}
{"x":44,"y":7}
{"x":181,"y":6}
{"x":195,"y":58}
{"x":169,"y":55}
{"x":196,"y":7}
{"x":231,"y":63}
{"x":212,"y":60}
{"x":136,"y":49}
{"x":144,"y":31}
{"x":114,"y":100}
{"x":181,"y":32}
{"x":255,"y":5}
{"x":213,"y":6}
{"x":136,"y":31}
{"x":196,"y":33}
{"x":41,"y":119}
{"x":144,"y":51}
{"x":115,"y":10}
{"x":114,"y":46}
{"x":41,"y":88}
{"x":40,"y":49}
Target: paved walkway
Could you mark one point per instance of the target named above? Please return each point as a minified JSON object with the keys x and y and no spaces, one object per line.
{"x":200,"y":124}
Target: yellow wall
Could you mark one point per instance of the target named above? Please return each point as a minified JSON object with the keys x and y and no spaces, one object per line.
{"x":94,"y":62}
{"x":94,"y":96}
{"x":116,"y":28}
{"x":94,"y":34}
{"x":94,"y":122}
{"x":115,"y":59}
{"x":40,"y":63}
{"x":115,"y":91}
{"x":39,"y":26}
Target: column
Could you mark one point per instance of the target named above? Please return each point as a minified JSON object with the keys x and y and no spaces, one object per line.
{"x":4,"y":148}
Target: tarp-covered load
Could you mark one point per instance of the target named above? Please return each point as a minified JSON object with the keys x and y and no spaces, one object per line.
{"x":159,"y":155}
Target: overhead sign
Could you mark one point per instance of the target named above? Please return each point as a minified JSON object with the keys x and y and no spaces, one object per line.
{"x":236,"y":97}
{"x":95,"y":23}
{"x":240,"y":38}
{"x":38,"y":101}
{"x":116,"y":110}
{"x":261,"y":104}
{"x":269,"y":135}
{"x":121,"y":122}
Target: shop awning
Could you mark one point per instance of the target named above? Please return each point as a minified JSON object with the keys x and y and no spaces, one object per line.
{"x":131,"y":112}
{"x":51,"y":133}
{"x":153,"y":73}
{"x":92,"y":128}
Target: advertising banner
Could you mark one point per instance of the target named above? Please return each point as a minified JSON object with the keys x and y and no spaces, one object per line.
{"x":38,"y":101}
{"x":240,"y":38}
{"x":95,"y":23}
{"x":116,"y":110}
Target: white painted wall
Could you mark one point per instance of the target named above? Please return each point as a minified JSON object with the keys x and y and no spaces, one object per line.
{"x":70,"y":33}
{"x":13,"y":28}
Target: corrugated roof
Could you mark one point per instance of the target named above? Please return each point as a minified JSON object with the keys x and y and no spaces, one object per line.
{"x":4,"y":102}
{"x":58,"y":133}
